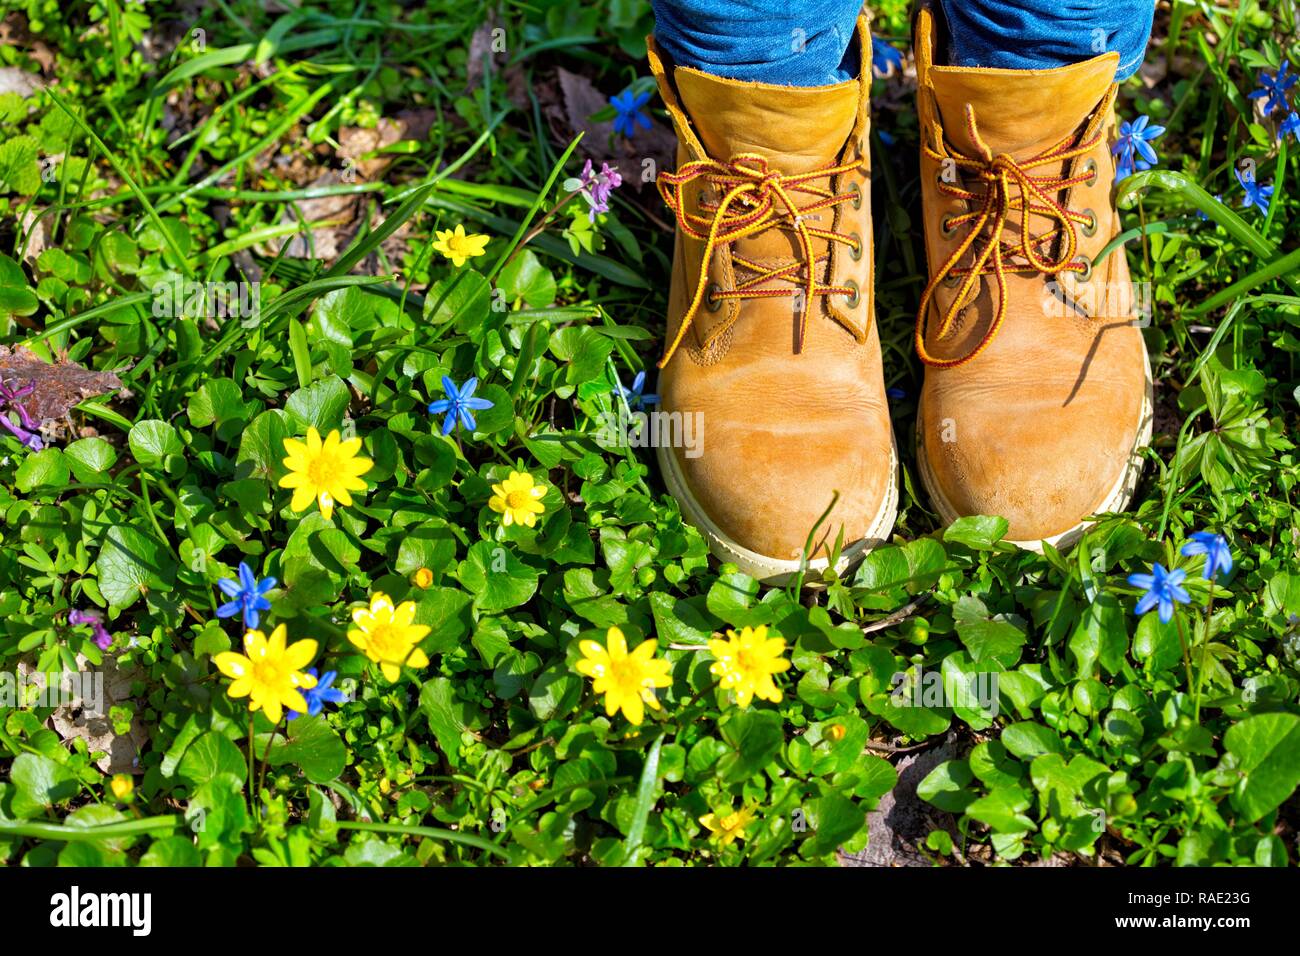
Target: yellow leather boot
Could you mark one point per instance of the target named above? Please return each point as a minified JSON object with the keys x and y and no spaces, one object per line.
{"x":1037,"y":395}
{"x":771,"y":340}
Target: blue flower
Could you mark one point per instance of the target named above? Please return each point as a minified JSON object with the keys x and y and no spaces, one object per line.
{"x":1133,"y":146}
{"x":1162,"y":588}
{"x":247,"y":596}
{"x":458,"y":405}
{"x":1275,"y":87}
{"x":884,"y":56}
{"x":320,"y":695}
{"x":629,"y":115}
{"x":633,"y":395}
{"x":1256,"y":195}
{"x":1289,"y":127}
{"x":1218,"y":557}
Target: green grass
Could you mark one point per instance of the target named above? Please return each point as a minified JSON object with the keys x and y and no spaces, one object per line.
{"x":171,"y":151}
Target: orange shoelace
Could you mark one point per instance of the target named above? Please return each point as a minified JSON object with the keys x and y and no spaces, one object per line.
{"x":1009,"y":187}
{"x":755,"y":198}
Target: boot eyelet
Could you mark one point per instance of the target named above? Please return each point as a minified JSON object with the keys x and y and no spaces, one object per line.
{"x":854,"y":296}
{"x":951,"y":280}
{"x":856,"y":190}
{"x":1090,"y":170}
{"x":1090,"y":227}
{"x":855,"y":250}
{"x":946,"y":228}
{"x":1086,"y":274}
{"x":712,"y":302}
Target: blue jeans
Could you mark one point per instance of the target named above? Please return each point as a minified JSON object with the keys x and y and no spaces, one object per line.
{"x":807,"y":42}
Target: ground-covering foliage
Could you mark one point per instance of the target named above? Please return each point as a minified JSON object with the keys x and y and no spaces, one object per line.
{"x":272,"y":222}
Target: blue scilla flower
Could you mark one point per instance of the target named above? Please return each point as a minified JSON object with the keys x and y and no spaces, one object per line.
{"x":1289,"y":127}
{"x":884,"y":56}
{"x":1273,"y":88}
{"x":1163,"y":588}
{"x":628,"y":106}
{"x":458,"y":405}
{"x":1218,"y":557}
{"x":246,"y":596}
{"x":1256,"y":195}
{"x":320,"y":695}
{"x":634,"y":397}
{"x":1133,"y":146}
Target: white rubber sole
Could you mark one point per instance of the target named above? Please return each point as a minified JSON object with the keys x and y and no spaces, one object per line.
{"x":763,"y":567}
{"x":1117,"y":499}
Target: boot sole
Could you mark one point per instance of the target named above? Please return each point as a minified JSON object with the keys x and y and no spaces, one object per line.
{"x":767,"y":569}
{"x":1117,"y":499}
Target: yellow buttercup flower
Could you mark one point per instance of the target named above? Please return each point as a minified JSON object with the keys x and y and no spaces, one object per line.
{"x":269,"y":673}
{"x":388,"y":636}
{"x":517,"y":499}
{"x":725,"y":830}
{"x":628,"y":681}
{"x":746,"y":663}
{"x":423,"y":578}
{"x":459,"y":246}
{"x":324,"y":471}
{"x":122,"y":786}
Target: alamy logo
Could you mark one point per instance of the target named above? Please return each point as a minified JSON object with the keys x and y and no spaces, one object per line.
{"x":132,"y":910}
{"x":684,"y":430}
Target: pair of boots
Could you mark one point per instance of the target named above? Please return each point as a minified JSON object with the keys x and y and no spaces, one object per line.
{"x":1037,"y":394}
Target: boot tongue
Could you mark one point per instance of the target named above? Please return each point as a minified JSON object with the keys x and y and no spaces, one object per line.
{"x":1019,"y":112}
{"x":796,"y":128}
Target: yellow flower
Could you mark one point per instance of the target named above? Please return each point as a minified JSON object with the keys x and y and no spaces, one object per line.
{"x":626,"y":680}
{"x":516,"y":499}
{"x":269,"y":673}
{"x":326,"y":471}
{"x":746,"y":663}
{"x":423,"y":578}
{"x":458,"y":246}
{"x":730,"y":827}
{"x":387,"y":635}
{"x":122,"y":786}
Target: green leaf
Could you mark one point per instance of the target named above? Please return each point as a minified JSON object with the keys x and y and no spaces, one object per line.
{"x":152,"y":442}
{"x":39,"y":783}
{"x":90,"y":458}
{"x":313,"y":746}
{"x":645,"y":801}
{"x":447,"y":716}
{"x":42,"y":469}
{"x":130,"y":564}
{"x":755,"y":738}
{"x":262,"y":444}
{"x":526,"y":278}
{"x":977,"y":532}
{"x":1028,"y":740}
{"x":19,"y":170}
{"x":947,"y":786}
{"x":838,"y":818}
{"x":320,"y":405}
{"x":1267,"y":752}
{"x":497,"y":579}
{"x":210,"y":755}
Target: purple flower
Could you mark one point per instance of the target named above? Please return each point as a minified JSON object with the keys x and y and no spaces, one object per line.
{"x":1256,"y":195}
{"x":1133,"y":146}
{"x":26,"y":431}
{"x":628,"y":107}
{"x":95,"y":619}
{"x":596,"y":187}
{"x":1289,"y":127}
{"x":458,"y":405}
{"x":1163,"y":588}
{"x":320,"y":695}
{"x":884,"y":56}
{"x":1218,"y":556}
{"x":633,"y":395}
{"x":1273,"y":88}
{"x":246,"y":594}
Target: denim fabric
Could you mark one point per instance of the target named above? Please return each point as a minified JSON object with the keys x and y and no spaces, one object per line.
{"x":792,"y":43}
{"x":1040,"y":34}
{"x":798,"y":43}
